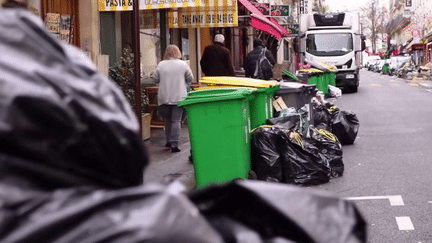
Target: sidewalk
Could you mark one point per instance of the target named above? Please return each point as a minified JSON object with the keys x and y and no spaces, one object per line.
{"x":165,"y":166}
{"x":421,"y":82}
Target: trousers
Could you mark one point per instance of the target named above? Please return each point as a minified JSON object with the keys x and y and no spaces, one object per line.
{"x":172,"y":115}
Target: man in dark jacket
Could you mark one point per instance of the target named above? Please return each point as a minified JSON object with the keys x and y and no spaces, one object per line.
{"x":216,"y":59}
{"x":253,"y":57}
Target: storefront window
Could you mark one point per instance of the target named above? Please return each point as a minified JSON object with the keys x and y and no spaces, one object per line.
{"x":150,"y":50}
{"x":184,"y":47}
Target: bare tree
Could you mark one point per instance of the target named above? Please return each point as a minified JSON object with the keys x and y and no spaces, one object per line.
{"x":372,"y":19}
{"x":319,"y":7}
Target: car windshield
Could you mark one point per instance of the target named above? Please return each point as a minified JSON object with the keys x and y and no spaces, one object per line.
{"x":336,"y":44}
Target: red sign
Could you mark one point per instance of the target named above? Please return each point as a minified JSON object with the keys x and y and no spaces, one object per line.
{"x":415,"y":33}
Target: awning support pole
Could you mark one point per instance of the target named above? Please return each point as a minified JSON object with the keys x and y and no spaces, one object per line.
{"x":137,"y":63}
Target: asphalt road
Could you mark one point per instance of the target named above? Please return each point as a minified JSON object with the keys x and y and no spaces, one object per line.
{"x":388,"y":170}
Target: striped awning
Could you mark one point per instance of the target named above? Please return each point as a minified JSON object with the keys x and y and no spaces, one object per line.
{"x":203,"y":17}
{"x":126,"y":5}
{"x":261,"y":22}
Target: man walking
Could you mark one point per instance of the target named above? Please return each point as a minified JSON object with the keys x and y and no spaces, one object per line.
{"x":252,"y":60}
{"x":216,"y":59}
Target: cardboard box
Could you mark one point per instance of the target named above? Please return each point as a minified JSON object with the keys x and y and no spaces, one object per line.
{"x":279,"y":104}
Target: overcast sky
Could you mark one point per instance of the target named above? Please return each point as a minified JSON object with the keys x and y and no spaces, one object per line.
{"x":350,"y":5}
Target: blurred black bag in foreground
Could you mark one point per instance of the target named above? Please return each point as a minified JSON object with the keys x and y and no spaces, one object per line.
{"x":62,"y":123}
{"x":257,"y":211}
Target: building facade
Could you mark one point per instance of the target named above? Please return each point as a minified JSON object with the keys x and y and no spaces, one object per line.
{"x":410,"y":29}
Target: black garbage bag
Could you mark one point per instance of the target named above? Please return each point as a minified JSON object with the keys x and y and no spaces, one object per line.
{"x":329,"y":146}
{"x":256,"y":211}
{"x":78,"y":215}
{"x":291,"y":122}
{"x":62,"y":123}
{"x":303,"y":162}
{"x":266,"y":159}
{"x":292,"y":119}
{"x":321,"y":117}
{"x":345,"y":125}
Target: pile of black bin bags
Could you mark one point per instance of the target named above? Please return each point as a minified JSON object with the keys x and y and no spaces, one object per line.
{"x":71,"y":165}
{"x":286,"y":152}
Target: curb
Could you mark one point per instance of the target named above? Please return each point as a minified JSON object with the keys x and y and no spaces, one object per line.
{"x":422,"y":83}
{"x":427,"y":85}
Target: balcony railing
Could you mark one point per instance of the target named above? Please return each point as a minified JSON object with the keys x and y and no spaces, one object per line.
{"x":399,"y":22}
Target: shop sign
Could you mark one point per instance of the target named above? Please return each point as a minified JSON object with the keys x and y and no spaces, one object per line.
{"x":304,"y":6}
{"x":264,"y":8}
{"x":407,"y":30}
{"x":428,"y":23}
{"x":408,"y":3}
{"x":127,"y":5}
{"x":415,"y":33}
{"x":280,"y":10}
{"x":202,"y":18}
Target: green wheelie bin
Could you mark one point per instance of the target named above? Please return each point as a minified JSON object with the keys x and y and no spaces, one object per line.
{"x":219,"y":131}
{"x":319,"y":79}
{"x":261,"y":103}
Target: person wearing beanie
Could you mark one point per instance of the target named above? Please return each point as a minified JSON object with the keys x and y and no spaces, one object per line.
{"x":253,"y":57}
{"x":216,"y":59}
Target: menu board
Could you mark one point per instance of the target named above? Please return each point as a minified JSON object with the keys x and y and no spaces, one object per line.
{"x":61,"y":26}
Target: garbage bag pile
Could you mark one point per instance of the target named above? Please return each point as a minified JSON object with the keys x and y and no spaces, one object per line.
{"x":292,"y":118}
{"x":293,"y":151}
{"x":286,"y":156}
{"x":279,"y":213}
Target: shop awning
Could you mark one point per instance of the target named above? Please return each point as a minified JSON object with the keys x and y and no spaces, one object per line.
{"x":414,"y":45}
{"x":261,"y":22}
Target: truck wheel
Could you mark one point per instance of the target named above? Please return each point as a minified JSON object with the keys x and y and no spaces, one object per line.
{"x":354,"y":89}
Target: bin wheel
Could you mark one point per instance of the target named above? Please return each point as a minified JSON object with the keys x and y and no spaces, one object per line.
{"x":252,"y":175}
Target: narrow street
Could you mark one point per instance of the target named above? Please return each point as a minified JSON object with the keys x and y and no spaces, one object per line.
{"x":388,"y":168}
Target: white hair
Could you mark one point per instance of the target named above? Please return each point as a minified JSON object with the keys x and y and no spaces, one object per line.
{"x":219,"y":38}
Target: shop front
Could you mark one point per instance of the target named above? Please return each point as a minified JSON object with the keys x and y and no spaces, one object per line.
{"x":189,"y":26}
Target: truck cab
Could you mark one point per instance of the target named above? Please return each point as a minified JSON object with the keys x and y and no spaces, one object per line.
{"x":333,"y":39}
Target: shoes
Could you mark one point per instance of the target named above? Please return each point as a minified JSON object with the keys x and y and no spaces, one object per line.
{"x":168,"y":145}
{"x":175,"y":149}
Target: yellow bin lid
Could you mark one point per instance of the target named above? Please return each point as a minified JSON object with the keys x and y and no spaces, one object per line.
{"x":310,"y":70}
{"x":238,"y":81}
{"x":219,"y":87}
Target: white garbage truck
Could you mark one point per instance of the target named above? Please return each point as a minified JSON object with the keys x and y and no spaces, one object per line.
{"x":333,"y":39}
